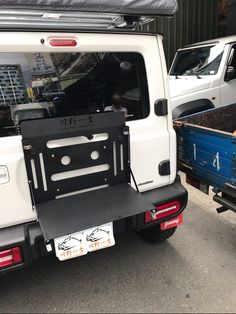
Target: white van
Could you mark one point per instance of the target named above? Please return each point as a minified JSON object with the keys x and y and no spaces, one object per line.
{"x":87,"y":146}
{"x":203,"y":76}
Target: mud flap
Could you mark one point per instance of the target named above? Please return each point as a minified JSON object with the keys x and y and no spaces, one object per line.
{"x":78,"y":169}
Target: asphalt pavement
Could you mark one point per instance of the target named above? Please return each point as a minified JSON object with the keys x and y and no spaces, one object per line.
{"x":194,"y":271}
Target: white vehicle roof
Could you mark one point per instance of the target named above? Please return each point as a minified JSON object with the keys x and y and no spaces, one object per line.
{"x":222,"y":40}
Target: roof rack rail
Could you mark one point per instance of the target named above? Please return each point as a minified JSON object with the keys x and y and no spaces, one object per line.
{"x":79,"y":20}
{"x":83,"y":14}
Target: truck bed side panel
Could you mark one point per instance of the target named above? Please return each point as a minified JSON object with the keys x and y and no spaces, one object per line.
{"x":207,"y":146}
{"x":211,"y":154}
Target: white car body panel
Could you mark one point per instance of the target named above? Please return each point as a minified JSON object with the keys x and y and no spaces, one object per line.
{"x":16,"y":205}
{"x":212,"y":87}
{"x":152,"y":139}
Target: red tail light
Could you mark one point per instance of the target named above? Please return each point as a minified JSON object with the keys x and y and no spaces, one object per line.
{"x":162,"y":211}
{"x":59,"y":42}
{"x":10,"y":257}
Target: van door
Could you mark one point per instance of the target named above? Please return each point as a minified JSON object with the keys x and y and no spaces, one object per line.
{"x":228,"y":88}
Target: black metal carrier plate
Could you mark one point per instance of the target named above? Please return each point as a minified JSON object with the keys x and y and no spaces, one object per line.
{"x":96,"y":150}
{"x":113,"y":153}
{"x":79,"y":212}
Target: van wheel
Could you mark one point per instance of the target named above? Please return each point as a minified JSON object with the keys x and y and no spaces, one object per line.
{"x":155,"y":234}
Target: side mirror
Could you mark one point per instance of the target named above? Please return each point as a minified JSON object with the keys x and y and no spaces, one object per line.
{"x":230,"y":74}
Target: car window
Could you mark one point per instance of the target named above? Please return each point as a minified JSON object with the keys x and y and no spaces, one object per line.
{"x":198,"y":61}
{"x":42,"y":85}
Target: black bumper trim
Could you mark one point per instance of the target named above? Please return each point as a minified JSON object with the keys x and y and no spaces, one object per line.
{"x":30,"y":238}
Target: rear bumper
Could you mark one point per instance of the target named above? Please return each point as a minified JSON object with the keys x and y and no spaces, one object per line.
{"x":29,"y":236}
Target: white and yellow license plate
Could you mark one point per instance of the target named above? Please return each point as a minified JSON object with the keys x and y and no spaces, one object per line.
{"x":80,"y":243}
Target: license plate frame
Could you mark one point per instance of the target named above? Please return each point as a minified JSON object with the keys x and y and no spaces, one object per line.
{"x":82,"y":242}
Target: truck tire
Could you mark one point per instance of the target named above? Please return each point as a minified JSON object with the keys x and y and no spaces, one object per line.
{"x":156,"y":235}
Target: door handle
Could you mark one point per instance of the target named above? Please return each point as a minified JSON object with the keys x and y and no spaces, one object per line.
{"x":4,"y":175}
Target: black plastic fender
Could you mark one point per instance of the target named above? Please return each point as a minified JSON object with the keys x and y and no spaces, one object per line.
{"x":191,"y":107}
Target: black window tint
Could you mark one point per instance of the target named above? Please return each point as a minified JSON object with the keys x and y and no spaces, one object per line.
{"x":42,"y":85}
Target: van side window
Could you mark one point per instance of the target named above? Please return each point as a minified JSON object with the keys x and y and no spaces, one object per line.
{"x":233,"y":62}
{"x":42,"y":85}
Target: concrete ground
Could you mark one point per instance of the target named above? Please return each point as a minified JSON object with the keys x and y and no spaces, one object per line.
{"x":194,"y":271}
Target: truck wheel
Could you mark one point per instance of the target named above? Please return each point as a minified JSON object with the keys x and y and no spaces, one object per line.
{"x":156,"y":235}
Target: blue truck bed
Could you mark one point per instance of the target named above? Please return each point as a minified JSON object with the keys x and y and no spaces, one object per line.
{"x":207,"y":152}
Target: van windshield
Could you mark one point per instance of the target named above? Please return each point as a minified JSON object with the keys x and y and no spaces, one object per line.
{"x":198,"y":61}
{"x":42,"y":85}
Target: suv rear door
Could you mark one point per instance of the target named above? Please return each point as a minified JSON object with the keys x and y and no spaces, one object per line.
{"x":36,"y":77}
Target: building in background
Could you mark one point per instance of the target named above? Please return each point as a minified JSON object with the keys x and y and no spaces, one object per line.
{"x":231,"y":18}
{"x":196,"y":20}
{"x":12,"y":88}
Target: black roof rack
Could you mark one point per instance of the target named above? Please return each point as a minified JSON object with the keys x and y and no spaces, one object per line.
{"x":82,"y":14}
{"x":79,"y":20}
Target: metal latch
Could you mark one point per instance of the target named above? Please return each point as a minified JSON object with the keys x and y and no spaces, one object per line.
{"x":27,"y":147}
{"x":4,"y":175}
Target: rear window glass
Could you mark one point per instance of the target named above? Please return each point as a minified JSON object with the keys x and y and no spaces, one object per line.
{"x":42,"y":85}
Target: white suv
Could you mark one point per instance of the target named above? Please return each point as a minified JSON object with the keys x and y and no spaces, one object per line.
{"x":203,"y":76}
{"x":87,"y":146}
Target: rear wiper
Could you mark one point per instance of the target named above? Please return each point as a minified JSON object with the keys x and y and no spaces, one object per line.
{"x":195,"y":73}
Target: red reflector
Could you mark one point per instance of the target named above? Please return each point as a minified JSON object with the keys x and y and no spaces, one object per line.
{"x":10,"y":257}
{"x":162,"y":211}
{"x":172,"y":223}
{"x":63,"y":42}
